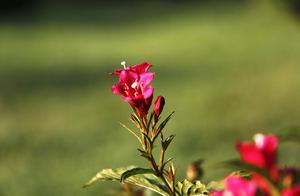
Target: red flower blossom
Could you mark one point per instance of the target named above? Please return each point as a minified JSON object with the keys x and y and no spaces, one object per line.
{"x":138,"y":69}
{"x":134,"y":88}
{"x":158,"y":106}
{"x":263,"y":185}
{"x":262,"y":153}
{"x":295,"y":191}
{"x":237,"y":186}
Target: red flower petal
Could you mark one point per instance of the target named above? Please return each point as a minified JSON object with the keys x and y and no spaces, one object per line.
{"x":133,"y":86}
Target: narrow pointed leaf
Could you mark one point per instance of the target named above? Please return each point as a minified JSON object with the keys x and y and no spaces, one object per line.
{"x":142,"y":151}
{"x":145,"y":154}
{"x":166,"y":143}
{"x":150,"y":120}
{"x":132,"y":132}
{"x":135,"y":171}
{"x":147,"y":137}
{"x":135,"y":120}
{"x":166,"y":162}
{"x":163,"y":124}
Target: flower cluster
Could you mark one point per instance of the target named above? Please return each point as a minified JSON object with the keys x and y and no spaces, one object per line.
{"x":267,"y":179}
{"x":237,"y":186}
{"x":134,"y":87}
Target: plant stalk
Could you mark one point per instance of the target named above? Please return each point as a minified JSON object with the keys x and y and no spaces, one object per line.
{"x":158,"y":171}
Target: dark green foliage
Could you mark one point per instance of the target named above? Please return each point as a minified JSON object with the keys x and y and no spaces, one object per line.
{"x":142,"y":179}
{"x":135,"y":171}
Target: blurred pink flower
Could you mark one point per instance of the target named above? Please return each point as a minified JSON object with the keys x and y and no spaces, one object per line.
{"x":263,"y":185}
{"x":134,"y":88}
{"x":294,"y":191}
{"x":237,"y":186}
{"x":158,"y":106}
{"x":262,"y":153}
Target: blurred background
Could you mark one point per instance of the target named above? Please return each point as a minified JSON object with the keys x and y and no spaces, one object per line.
{"x":229,"y":69}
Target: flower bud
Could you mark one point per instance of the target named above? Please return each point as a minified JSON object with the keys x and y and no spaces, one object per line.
{"x":194,"y":171}
{"x":158,"y":106}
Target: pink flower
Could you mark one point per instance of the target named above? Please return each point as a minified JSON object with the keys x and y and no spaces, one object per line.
{"x":134,"y":88}
{"x":158,"y":106}
{"x":261,"y":153}
{"x":237,"y":186}
{"x":138,"y":69}
{"x":263,"y":185}
{"x":294,"y":191}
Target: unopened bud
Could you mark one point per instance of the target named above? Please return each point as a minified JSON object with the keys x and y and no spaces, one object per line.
{"x":158,"y":106}
{"x":194,"y":171}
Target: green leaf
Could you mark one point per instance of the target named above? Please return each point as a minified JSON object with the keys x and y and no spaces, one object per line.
{"x":163,"y":124}
{"x":215,"y":186}
{"x":147,"y":181}
{"x":166,"y":162}
{"x":150,"y":120}
{"x":132,"y":132}
{"x":167,"y":142}
{"x":187,"y":188}
{"x":147,"y":138}
{"x":145,"y":154}
{"x":134,"y":118}
{"x":135,"y":171}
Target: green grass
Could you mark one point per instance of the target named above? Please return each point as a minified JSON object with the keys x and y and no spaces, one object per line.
{"x":228,"y":73}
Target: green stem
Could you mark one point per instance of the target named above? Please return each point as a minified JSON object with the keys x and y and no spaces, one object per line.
{"x":167,"y":184}
{"x":162,"y":158}
{"x":160,"y":174}
{"x":158,"y":170}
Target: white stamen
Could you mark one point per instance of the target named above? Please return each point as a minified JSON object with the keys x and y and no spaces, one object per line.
{"x":259,"y":140}
{"x":133,"y":85}
{"x":124,"y":64}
